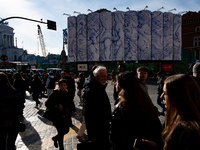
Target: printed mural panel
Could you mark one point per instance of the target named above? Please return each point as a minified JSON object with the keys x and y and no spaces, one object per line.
{"x":130,"y":35}
{"x":72,"y":39}
{"x":144,"y":35}
{"x":157,"y":35}
{"x":81,"y":38}
{"x":177,"y":36}
{"x":93,"y":36}
{"x":118,"y":36}
{"x":168,"y":36}
{"x":105,"y":48}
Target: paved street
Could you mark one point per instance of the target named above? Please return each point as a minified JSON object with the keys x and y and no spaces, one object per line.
{"x":40,"y":131}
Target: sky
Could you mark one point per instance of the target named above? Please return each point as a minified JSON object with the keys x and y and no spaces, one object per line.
{"x":26,"y":31}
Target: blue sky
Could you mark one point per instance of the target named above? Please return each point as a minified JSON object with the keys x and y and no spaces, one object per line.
{"x":26,"y":31}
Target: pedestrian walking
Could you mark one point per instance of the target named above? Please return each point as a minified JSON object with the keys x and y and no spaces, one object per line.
{"x":11,"y":104}
{"x":63,"y":107}
{"x":20,"y":84}
{"x":36,"y":89}
{"x":50,"y":83}
{"x":196,"y":73}
{"x":160,"y":83}
{"x":80,"y":84}
{"x":70,"y":87}
{"x":134,"y":117}
{"x":97,"y":108}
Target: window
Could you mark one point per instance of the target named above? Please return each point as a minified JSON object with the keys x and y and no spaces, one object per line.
{"x":196,"y":41}
{"x":197,"y":29}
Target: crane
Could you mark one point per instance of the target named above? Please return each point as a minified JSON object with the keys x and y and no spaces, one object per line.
{"x":42,"y":41}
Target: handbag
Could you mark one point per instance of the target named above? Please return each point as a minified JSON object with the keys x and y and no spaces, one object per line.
{"x":21,"y":124}
{"x":53,"y":114}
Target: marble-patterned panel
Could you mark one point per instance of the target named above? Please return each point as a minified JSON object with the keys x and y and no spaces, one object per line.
{"x":81,"y":38}
{"x":144,"y":35}
{"x":105,"y":47}
{"x":177,"y":36}
{"x":93,"y":36}
{"x":130,"y":35}
{"x":72,"y":47}
{"x":168,"y":36}
{"x":157,"y":35}
{"x":118,"y":36}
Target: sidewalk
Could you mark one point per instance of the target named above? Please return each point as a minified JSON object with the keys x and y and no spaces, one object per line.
{"x":39,"y":130}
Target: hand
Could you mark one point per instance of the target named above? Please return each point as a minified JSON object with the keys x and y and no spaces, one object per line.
{"x":153,"y":144}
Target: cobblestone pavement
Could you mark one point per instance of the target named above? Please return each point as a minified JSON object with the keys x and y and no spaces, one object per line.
{"x":39,"y":130}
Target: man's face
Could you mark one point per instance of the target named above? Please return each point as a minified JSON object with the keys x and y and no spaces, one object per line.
{"x":102,"y":77}
{"x":142,"y":75}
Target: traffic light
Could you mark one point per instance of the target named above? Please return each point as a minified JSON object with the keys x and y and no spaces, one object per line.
{"x":51,"y":25}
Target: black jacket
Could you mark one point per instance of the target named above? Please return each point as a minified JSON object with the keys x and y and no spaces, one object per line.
{"x":11,"y":105}
{"x":125,"y":128}
{"x":97,"y":109}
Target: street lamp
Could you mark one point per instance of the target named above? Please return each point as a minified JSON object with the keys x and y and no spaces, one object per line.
{"x":145,"y":7}
{"x":128,"y":8}
{"x":182,"y":12}
{"x":160,"y":8}
{"x":115,"y":8}
{"x":77,"y":12}
{"x":172,"y":9}
{"x":67,"y":14}
{"x":90,"y":10}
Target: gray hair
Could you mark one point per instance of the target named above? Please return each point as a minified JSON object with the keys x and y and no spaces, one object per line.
{"x":99,"y":68}
{"x":196,"y":68}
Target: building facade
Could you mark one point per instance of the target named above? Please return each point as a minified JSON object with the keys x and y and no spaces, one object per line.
{"x":7,"y":46}
{"x":191,"y":37}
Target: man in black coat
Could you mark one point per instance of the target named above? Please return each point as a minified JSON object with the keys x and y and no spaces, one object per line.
{"x":97,"y":108}
{"x":196,"y":73}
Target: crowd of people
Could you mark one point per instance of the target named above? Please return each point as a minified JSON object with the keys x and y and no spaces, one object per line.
{"x":135,"y":118}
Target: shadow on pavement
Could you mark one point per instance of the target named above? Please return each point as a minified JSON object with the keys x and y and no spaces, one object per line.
{"x":30,"y":136}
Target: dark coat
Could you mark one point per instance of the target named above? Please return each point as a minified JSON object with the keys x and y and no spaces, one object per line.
{"x":160,"y":83}
{"x":11,"y":105}
{"x":184,"y":137}
{"x":57,"y":97}
{"x":125,"y":128}
{"x":97,"y":109}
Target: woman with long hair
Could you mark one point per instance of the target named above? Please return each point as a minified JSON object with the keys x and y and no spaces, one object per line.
{"x":135,"y":116}
{"x":11,"y":104}
{"x":181,"y":96}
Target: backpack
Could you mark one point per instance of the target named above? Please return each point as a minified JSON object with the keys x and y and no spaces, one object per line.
{"x":51,"y":84}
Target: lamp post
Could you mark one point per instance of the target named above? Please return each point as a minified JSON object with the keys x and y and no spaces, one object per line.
{"x":90,"y":10}
{"x":128,"y":8}
{"x":115,"y":9}
{"x":160,"y":8}
{"x":145,"y":7}
{"x":77,"y":12}
{"x":172,"y":9}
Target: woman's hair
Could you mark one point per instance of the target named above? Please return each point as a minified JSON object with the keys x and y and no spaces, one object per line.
{"x":18,"y":76}
{"x":61,"y":81}
{"x":4,"y":80}
{"x":133,"y":99}
{"x":81,"y":77}
{"x":183,"y":104}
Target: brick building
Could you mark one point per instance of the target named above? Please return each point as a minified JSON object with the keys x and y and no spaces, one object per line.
{"x":191,"y":37}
